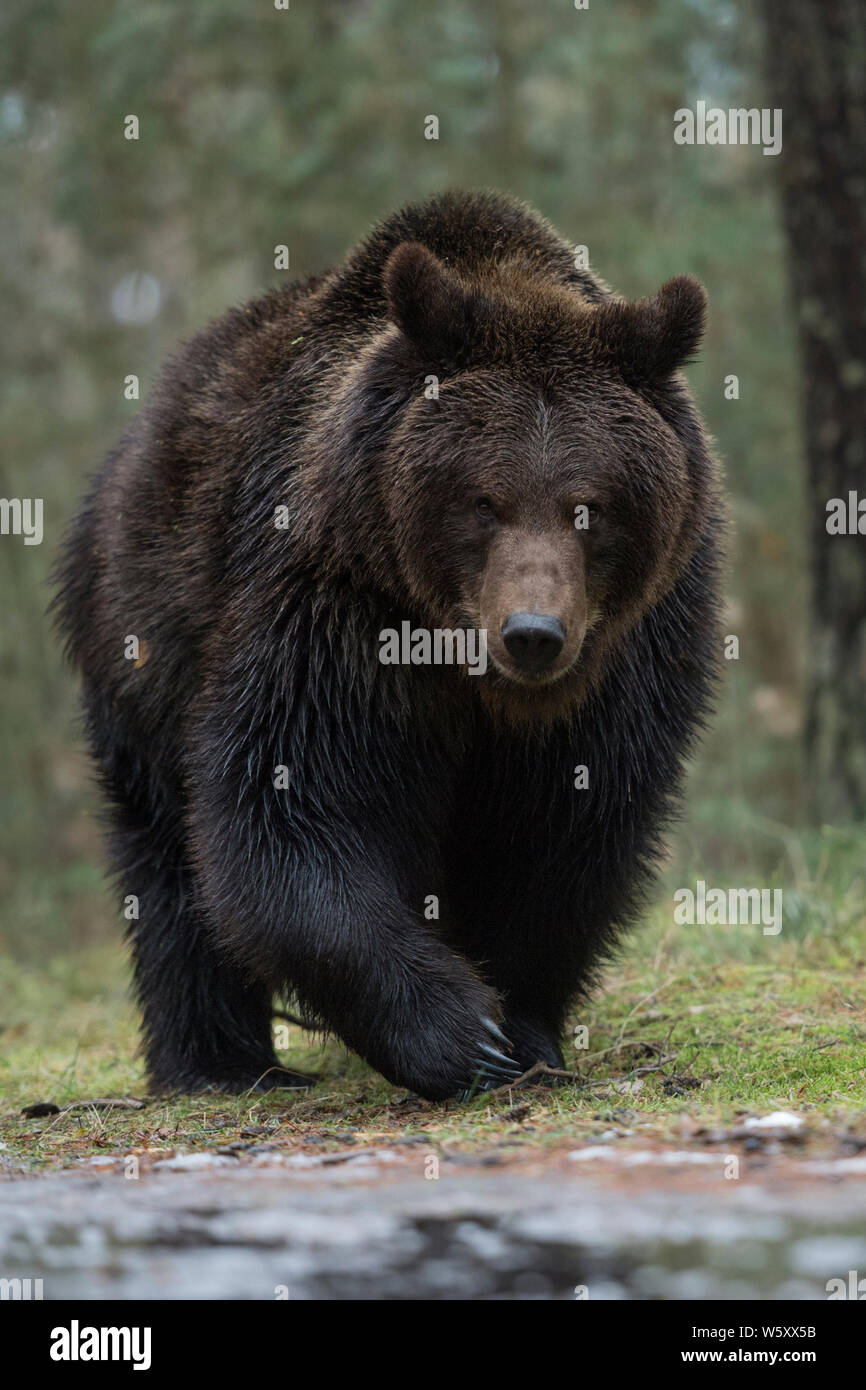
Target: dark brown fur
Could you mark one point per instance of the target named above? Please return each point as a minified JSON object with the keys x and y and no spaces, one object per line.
{"x":404,"y":782}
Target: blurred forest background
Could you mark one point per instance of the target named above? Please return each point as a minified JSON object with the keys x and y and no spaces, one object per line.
{"x":261,"y":126}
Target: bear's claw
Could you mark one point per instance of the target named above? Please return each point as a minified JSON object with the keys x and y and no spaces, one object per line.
{"x":497,"y":1033}
{"x":498,"y":1063}
{"x":493,"y":1068}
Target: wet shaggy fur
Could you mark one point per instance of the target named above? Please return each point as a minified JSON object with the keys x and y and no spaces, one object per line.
{"x":259,"y":649}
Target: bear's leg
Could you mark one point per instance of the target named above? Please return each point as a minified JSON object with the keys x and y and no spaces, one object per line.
{"x":205,"y":1023}
{"x":340,"y":936}
{"x":316,"y":878}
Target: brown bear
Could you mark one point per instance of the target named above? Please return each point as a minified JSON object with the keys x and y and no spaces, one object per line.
{"x":457,"y":434}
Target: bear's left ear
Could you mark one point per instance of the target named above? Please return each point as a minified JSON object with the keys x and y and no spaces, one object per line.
{"x":650,"y":338}
{"x":430,"y":304}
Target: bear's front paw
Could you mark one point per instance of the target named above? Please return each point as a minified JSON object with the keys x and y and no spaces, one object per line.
{"x":492,"y":1067}
{"x":445,"y":1066}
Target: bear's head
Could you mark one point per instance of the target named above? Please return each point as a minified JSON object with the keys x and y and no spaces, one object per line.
{"x":542,"y":473}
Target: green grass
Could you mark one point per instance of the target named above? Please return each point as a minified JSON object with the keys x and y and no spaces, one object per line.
{"x":710,"y":1022}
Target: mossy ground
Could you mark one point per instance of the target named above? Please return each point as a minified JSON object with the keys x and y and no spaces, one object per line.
{"x":693,"y":1027}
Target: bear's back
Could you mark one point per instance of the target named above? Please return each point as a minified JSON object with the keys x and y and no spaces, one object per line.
{"x":470,"y":232}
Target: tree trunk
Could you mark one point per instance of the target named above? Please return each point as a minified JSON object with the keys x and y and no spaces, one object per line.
{"x":816,"y":68}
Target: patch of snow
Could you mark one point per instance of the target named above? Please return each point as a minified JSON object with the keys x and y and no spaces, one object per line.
{"x":188,"y":1162}
{"x":637,"y":1158}
{"x":780,"y":1119}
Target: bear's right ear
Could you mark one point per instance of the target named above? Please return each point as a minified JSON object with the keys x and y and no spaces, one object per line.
{"x":429,"y":304}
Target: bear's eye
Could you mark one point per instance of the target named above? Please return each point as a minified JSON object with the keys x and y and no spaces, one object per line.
{"x":485,"y":509}
{"x":586,"y":514}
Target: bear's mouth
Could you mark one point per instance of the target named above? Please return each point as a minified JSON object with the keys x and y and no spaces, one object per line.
{"x":528,"y":679}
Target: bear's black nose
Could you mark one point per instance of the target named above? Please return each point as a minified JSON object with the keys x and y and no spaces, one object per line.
{"x":533,"y":640}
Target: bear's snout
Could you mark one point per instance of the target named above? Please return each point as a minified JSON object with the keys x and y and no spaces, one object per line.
{"x":533,"y":604}
{"x":533,"y":640}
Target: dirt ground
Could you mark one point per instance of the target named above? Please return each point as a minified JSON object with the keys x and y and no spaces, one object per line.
{"x":762,"y":1210}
